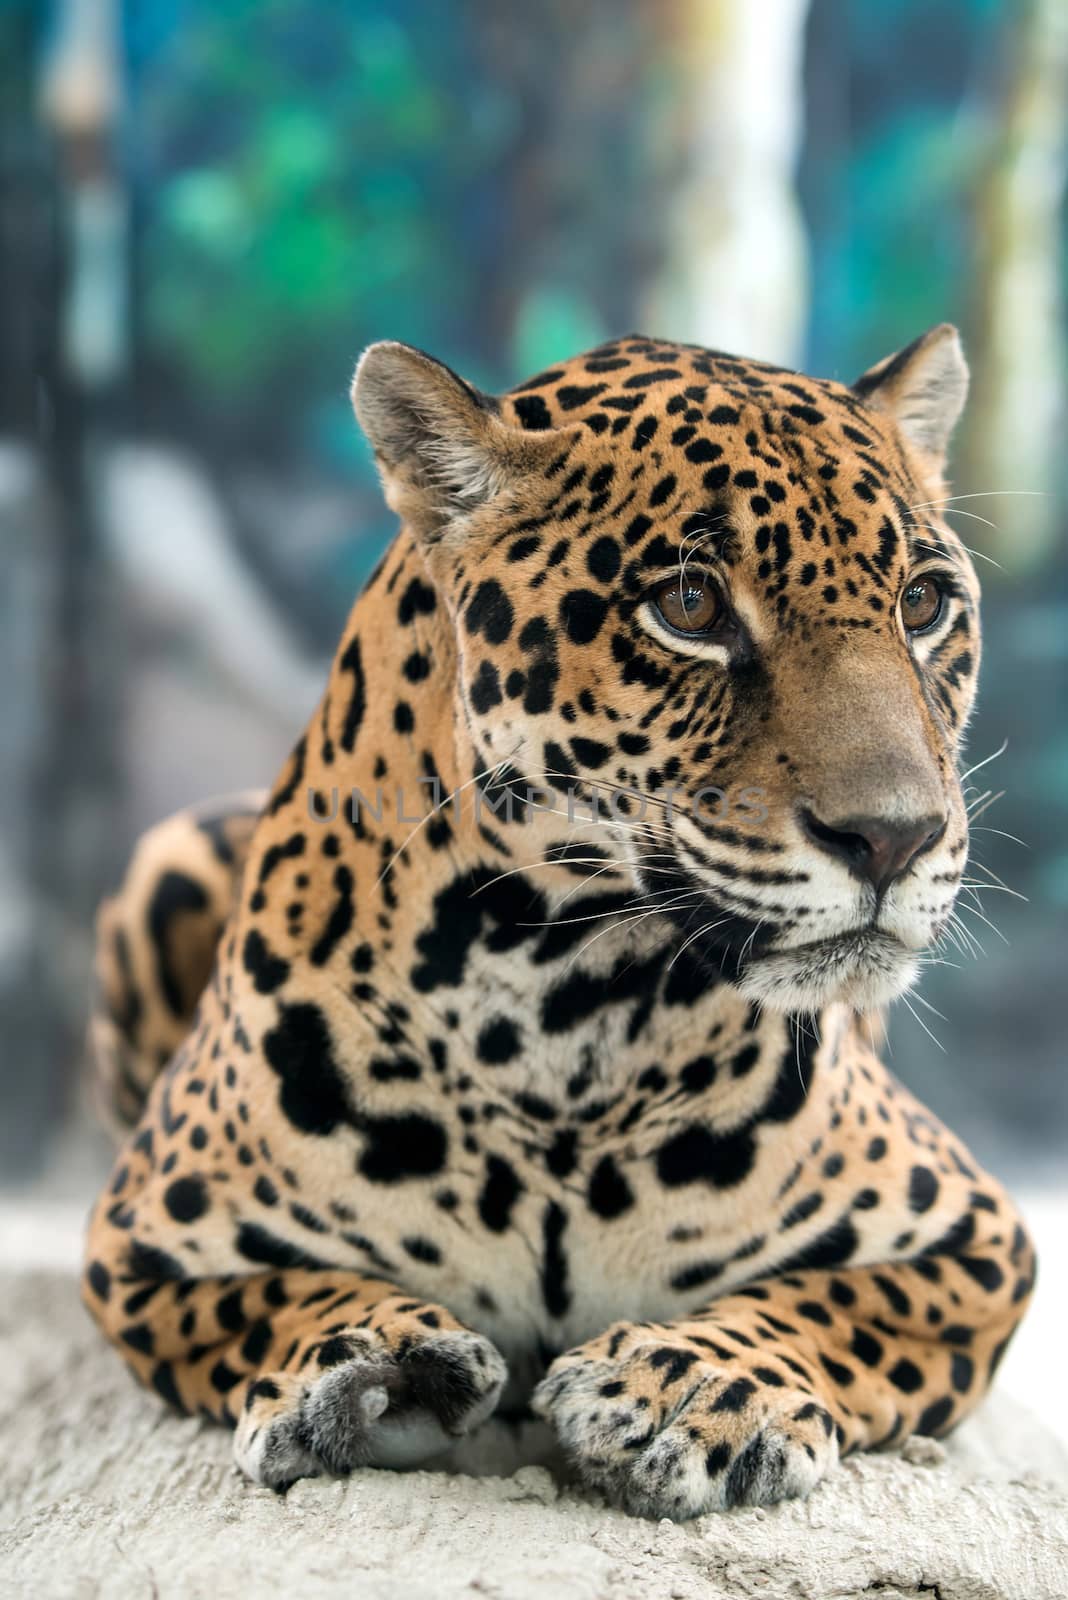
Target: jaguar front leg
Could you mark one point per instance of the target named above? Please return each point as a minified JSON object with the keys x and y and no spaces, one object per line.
{"x":318,"y":1370}
{"x":753,"y":1400}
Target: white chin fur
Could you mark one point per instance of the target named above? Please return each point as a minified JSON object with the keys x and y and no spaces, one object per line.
{"x":861,"y":973}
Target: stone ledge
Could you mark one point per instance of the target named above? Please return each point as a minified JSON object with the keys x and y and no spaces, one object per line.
{"x":103,"y":1494}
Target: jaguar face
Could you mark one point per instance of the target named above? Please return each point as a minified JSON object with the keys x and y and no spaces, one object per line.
{"x":712,"y":613}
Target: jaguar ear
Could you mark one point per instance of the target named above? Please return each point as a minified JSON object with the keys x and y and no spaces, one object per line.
{"x":441,"y":447}
{"x":923,"y":387}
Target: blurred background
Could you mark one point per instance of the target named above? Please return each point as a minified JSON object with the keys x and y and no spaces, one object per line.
{"x":207,"y":210}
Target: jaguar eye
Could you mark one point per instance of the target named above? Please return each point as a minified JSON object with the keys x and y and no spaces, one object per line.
{"x":689,"y":605}
{"x":921,"y":604}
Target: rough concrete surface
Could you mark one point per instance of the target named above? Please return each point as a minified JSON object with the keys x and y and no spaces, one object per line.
{"x":103,"y":1494}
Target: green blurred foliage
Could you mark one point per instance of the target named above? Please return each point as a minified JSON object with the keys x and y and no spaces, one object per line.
{"x":289,"y":150}
{"x":311,"y":177}
{"x":899,"y":103}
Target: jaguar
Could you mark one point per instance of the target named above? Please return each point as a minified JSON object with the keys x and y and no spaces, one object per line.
{"x":482,"y":1066}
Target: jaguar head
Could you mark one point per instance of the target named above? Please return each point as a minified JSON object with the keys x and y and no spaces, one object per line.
{"x":715,"y":611}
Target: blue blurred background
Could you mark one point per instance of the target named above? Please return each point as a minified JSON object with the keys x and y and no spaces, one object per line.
{"x":207,"y":210}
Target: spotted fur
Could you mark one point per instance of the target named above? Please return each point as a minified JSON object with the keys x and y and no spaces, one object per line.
{"x":572,"y":1103}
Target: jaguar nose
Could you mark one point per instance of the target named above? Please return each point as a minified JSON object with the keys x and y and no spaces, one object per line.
{"x":873,"y":848}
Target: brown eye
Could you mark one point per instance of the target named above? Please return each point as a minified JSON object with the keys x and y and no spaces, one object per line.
{"x":689,"y":605}
{"x":921,"y":604}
